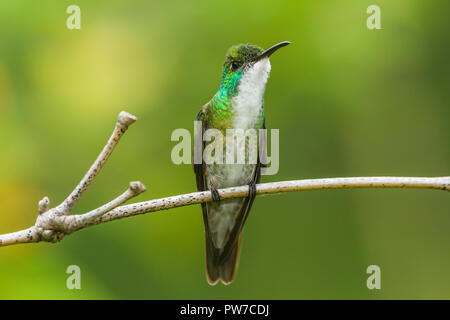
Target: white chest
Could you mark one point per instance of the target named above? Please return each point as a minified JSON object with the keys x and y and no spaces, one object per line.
{"x":248,"y":103}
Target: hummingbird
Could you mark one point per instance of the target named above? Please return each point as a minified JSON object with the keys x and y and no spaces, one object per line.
{"x":238,"y":104}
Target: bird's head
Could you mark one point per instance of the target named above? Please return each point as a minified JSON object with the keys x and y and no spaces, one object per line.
{"x":249,"y":62}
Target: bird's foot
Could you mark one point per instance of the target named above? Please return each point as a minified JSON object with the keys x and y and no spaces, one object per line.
{"x":215,"y":194}
{"x":252,"y":189}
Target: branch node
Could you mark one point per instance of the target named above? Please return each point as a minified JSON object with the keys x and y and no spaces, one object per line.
{"x":44,"y":205}
{"x":125,"y":119}
{"x":51,"y":236}
{"x":137,"y":187}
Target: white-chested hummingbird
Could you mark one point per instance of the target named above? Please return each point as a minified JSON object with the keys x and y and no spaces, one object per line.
{"x":239,"y":104}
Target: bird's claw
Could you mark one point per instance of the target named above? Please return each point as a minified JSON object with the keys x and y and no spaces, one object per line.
{"x":252,"y":189}
{"x":215,"y":194}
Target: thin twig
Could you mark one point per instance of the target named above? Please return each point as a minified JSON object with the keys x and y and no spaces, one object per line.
{"x":124,"y":120}
{"x":55,"y":223}
{"x":82,"y":220}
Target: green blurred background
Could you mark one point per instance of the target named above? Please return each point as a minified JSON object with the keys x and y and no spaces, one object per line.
{"x":348,"y":102}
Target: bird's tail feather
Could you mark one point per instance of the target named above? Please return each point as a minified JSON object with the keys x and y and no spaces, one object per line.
{"x":220,"y":266}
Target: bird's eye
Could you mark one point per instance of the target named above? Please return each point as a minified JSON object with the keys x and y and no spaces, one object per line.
{"x":235,"y":65}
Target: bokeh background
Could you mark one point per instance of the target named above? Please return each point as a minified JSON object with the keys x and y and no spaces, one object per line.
{"x":348,"y":102}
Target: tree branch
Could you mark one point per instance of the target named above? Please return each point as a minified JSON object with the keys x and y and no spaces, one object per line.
{"x":55,"y":223}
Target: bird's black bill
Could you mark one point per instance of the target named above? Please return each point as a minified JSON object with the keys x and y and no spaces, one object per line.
{"x":271,"y":50}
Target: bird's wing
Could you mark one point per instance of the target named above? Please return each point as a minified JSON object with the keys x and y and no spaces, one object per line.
{"x":199,"y":168}
{"x":212,"y":269}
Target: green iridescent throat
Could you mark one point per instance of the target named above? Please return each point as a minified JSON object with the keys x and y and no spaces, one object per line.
{"x":220,"y":105}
